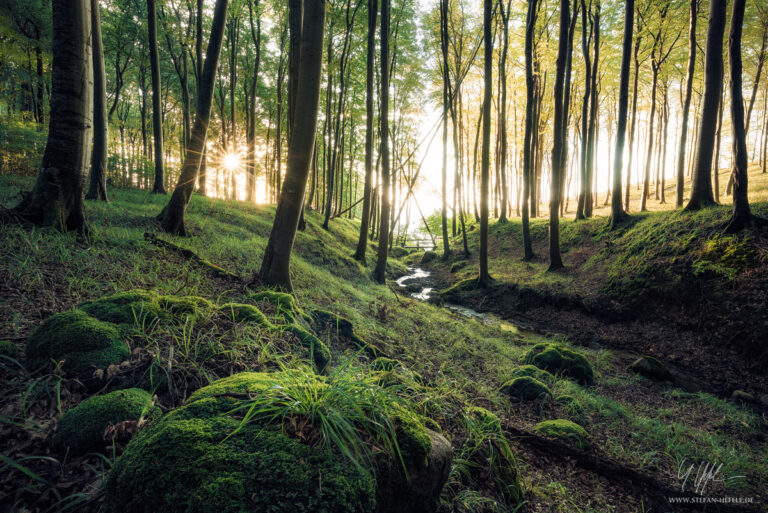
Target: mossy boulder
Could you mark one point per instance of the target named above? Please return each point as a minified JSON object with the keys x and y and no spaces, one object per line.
{"x":526,"y":388}
{"x":192,"y":460}
{"x":339,"y":327}
{"x":565,"y":430}
{"x":81,"y":428}
{"x":428,"y":257}
{"x":651,"y":368}
{"x":8,"y":348}
{"x":318,"y":351}
{"x":285,"y":304}
{"x":457,"y":266}
{"x":84,"y":343}
{"x":240,"y":312}
{"x":124,"y":307}
{"x":533,"y":372}
{"x":398,"y":252}
{"x":201,"y":458}
{"x":483,"y":420}
{"x":185,"y":306}
{"x":560,"y":360}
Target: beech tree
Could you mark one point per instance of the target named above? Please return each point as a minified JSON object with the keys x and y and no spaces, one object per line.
{"x":484,"y":278}
{"x":275,"y":267}
{"x":57,"y":197}
{"x":157,"y":110}
{"x":98,"y":184}
{"x":701,"y":189}
{"x":379,"y":273}
{"x":618,"y":214}
{"x":172,"y":216}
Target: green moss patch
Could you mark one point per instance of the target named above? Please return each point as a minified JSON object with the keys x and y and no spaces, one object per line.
{"x":318,"y":351}
{"x":124,"y":307}
{"x":285,"y":304}
{"x":533,"y":372}
{"x":240,"y":312}
{"x":565,"y":430}
{"x":561,"y":360}
{"x":82,"y":428}
{"x":191,"y":306}
{"x":571,"y":405}
{"x":526,"y":388}
{"x":84,"y":343}
{"x":340,"y":327}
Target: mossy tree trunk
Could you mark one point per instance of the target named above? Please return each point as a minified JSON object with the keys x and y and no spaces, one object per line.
{"x":57,"y":197}
{"x":275,"y":267}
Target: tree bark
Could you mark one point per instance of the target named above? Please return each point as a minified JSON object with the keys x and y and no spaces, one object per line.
{"x":484,"y":277}
{"x":530,"y":24}
{"x":362,"y":241}
{"x":57,"y":197}
{"x":701,"y":189}
{"x":687,"y":101}
{"x":618,"y":214}
{"x":379,"y":273}
{"x":157,"y":113}
{"x":275,"y":268}
{"x":98,"y":183}
{"x":172,"y":217}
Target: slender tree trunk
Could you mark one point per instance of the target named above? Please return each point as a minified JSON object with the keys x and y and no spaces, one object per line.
{"x":484,"y":277}
{"x":362,"y":241}
{"x":585,"y":110}
{"x":716,"y":164}
{"x":379,"y":274}
{"x":701,"y":193}
{"x":687,"y":101}
{"x":444,"y":4}
{"x":275,"y":268}
{"x":157,"y":112}
{"x":530,"y":25}
{"x":98,"y":183}
{"x":558,"y":141}
{"x":618,"y":214}
{"x":57,"y":197}
{"x":503,"y":106}
{"x":172,"y":217}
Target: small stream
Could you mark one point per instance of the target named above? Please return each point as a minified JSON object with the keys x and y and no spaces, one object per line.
{"x":422,"y":278}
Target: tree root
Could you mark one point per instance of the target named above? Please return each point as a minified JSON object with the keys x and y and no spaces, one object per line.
{"x":650,"y":487}
{"x":190,"y":255}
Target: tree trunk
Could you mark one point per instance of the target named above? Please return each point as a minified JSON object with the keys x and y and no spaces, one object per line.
{"x":362,"y":241}
{"x":157,"y":113}
{"x":741,"y":216}
{"x":618,"y":214}
{"x":172,"y":217}
{"x":484,"y":277}
{"x":530,"y":25}
{"x":558,"y":141}
{"x":687,"y":101}
{"x":275,"y":268}
{"x":98,"y":183}
{"x":57,"y":197}
{"x":446,"y":99}
{"x":585,"y":110}
{"x":701,"y":191}
{"x":379,"y":274}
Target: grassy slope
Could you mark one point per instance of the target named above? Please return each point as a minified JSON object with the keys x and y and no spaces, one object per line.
{"x":43,"y":272}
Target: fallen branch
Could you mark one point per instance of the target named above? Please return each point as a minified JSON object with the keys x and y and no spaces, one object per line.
{"x":190,"y":255}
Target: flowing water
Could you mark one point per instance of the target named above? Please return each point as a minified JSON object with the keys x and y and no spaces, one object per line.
{"x":421,"y":277}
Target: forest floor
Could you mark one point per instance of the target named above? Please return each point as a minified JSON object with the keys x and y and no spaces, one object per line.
{"x":644,"y":435}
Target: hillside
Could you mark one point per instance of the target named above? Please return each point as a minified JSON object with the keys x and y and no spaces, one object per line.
{"x":639,"y":432}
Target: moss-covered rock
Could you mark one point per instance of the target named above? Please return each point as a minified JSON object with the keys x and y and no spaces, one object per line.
{"x":428,"y":257}
{"x":285,"y":304}
{"x":526,"y":388}
{"x":8,"y":348}
{"x":483,"y":420}
{"x":533,"y":372}
{"x":192,"y":460}
{"x":651,"y":368}
{"x":398,"y":252}
{"x":457,"y":266}
{"x":340,"y":327}
{"x":81,"y":428}
{"x":240,"y":312}
{"x":565,"y":430}
{"x":84,"y":343}
{"x":190,"y":306}
{"x":561,"y":360}
{"x":236,"y":385}
{"x":318,"y":351}
{"x":124,"y":307}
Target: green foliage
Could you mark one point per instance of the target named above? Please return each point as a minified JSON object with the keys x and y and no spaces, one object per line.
{"x":428,"y":257}
{"x":560,"y":360}
{"x":526,"y":388}
{"x":565,"y":430}
{"x":82,"y":428}
{"x":285,"y":304}
{"x":21,"y":145}
{"x":318,"y":351}
{"x":571,"y":405}
{"x":185,"y":305}
{"x":84,"y":343}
